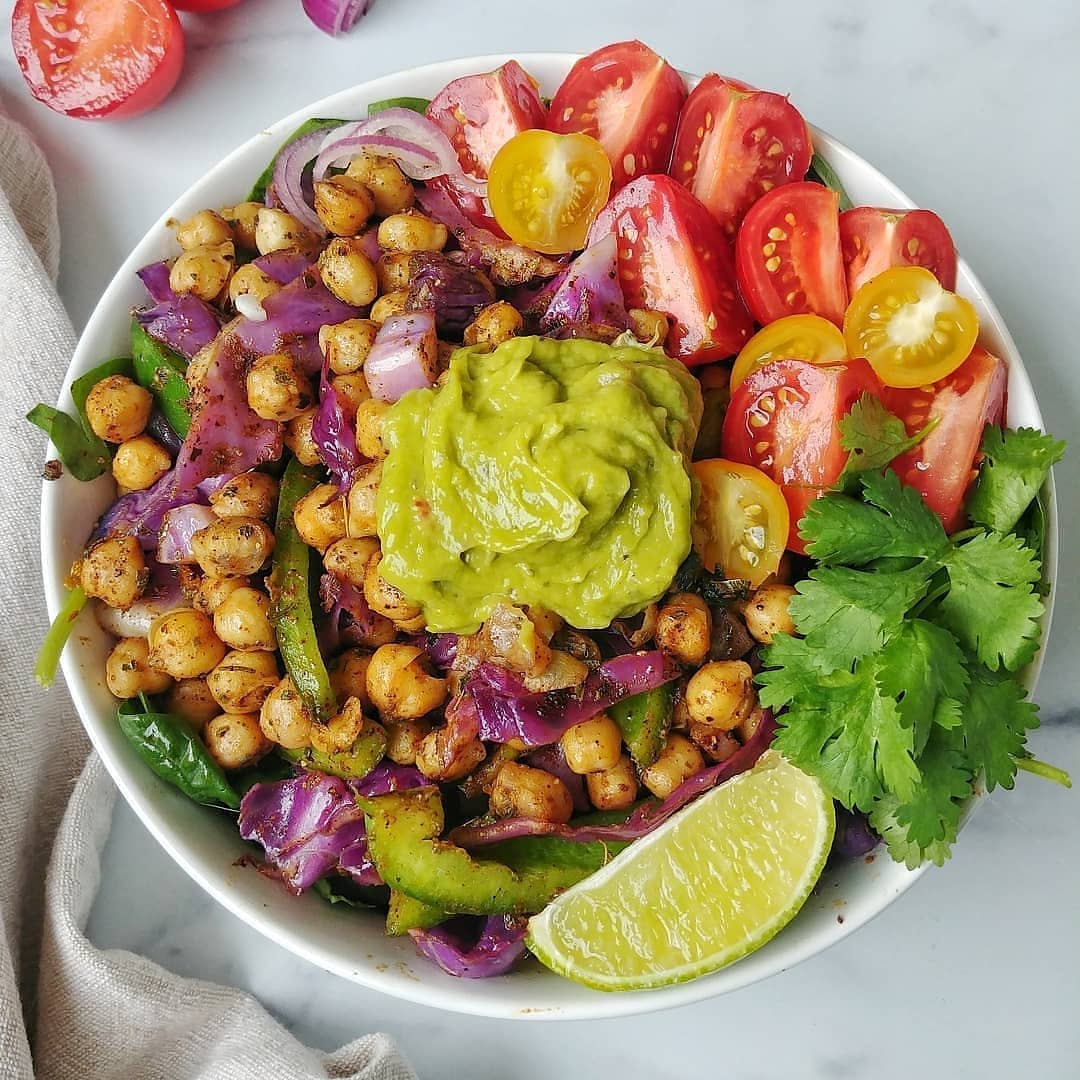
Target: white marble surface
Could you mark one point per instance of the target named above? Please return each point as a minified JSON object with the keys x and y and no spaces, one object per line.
{"x":973,"y":108}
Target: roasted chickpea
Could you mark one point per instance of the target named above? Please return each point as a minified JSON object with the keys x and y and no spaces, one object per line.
{"x":128,"y":672}
{"x":678,"y":761}
{"x":400,"y":683}
{"x":361,"y":500}
{"x":204,"y":229}
{"x":445,"y":759}
{"x":243,"y":219}
{"x":140,"y":463}
{"x":394,"y":270}
{"x":715,"y":744}
{"x":343,"y":204}
{"x":235,"y":740}
{"x":721,"y":693}
{"x":191,"y":700}
{"x":387,"y":599}
{"x":615,"y":788}
{"x":249,"y":280}
{"x":348,"y":558}
{"x":118,"y":408}
{"x":183,"y":644}
{"x":404,"y":739}
{"x":277,"y":389}
{"x":369,"y":428}
{"x":348,"y":676}
{"x":684,"y":628}
{"x":339,"y":734}
{"x":352,"y":391}
{"x":212,"y":591}
{"x":651,"y":326}
{"x":319,"y":517}
{"x":495,"y":324}
{"x":277,"y":230}
{"x":299,"y":440}
{"x":521,"y":791}
{"x":766,"y":612}
{"x":593,"y":745}
{"x":283,"y":717}
{"x":389,"y":186}
{"x":389,"y":305}
{"x":115,"y":571}
{"x":346,"y":344}
{"x":348,"y":273}
{"x":251,"y":495}
{"x":232,"y":547}
{"x":203,"y":271}
{"x":412,"y":231}
{"x":242,"y":620}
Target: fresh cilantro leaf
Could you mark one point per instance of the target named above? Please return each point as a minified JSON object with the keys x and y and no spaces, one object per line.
{"x":992,"y":606}
{"x":996,"y":716}
{"x":873,"y":437}
{"x":1015,"y":465}
{"x":889,"y":521}
{"x":792,"y":668}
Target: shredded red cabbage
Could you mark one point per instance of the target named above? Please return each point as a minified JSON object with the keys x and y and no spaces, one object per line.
{"x":453,"y":291}
{"x":349,"y":619}
{"x":552,"y":759}
{"x":334,"y":433}
{"x":854,"y":837}
{"x":283,"y":266}
{"x":178,"y":526}
{"x":155,"y":277}
{"x":442,"y":648}
{"x":472,"y":946}
{"x":184,"y":323}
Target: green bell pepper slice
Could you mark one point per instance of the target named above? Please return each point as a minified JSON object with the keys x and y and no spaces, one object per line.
{"x":644,"y":720}
{"x":48,"y":657}
{"x":162,"y":371}
{"x":352,"y":764}
{"x":406,"y":913}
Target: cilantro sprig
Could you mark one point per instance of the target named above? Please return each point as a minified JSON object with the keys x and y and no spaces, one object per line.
{"x":902,"y":687}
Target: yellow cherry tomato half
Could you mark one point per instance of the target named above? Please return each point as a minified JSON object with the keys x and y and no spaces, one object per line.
{"x":912,"y":331}
{"x":546,"y":189}
{"x":794,"y":337}
{"x":742,"y":520}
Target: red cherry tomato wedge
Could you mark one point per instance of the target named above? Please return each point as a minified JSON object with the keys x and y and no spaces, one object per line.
{"x":943,"y":465}
{"x":787,"y":255}
{"x":674,"y":258}
{"x":734,"y":145}
{"x":481,"y":113}
{"x":784,"y":419}
{"x":98,"y":59}
{"x":628,"y":99}
{"x":873,"y":240}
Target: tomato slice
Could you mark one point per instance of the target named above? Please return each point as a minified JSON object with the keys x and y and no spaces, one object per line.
{"x":911,"y":330}
{"x":742,"y":520}
{"x":98,"y":59}
{"x":943,"y":465}
{"x":794,"y":337}
{"x":874,"y":240}
{"x":628,"y":98}
{"x":784,"y":419}
{"x":787,"y":255}
{"x":546,"y":189}
{"x":734,"y":145}
{"x":481,"y":113}
{"x":674,"y":258}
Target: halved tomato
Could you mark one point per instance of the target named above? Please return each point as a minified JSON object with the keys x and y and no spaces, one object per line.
{"x":943,"y":465}
{"x":734,"y":145}
{"x":874,"y":240}
{"x":742,"y":520}
{"x":481,"y":113}
{"x":795,"y":337}
{"x":628,"y":98}
{"x":98,"y":59}
{"x":674,"y":258}
{"x":787,"y":255}
{"x":784,"y":419}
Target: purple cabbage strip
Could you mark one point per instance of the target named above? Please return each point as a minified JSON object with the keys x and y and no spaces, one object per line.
{"x":178,"y":526}
{"x":854,"y":837}
{"x":184,"y":323}
{"x":552,"y":760}
{"x":586,"y":299}
{"x":453,"y":291}
{"x":283,"y":266}
{"x":349,"y":619}
{"x":472,"y":946}
{"x":508,"y":711}
{"x":442,"y":648}
{"x":160,"y":428}
{"x":334,"y":434}
{"x":155,"y":277}
{"x":369,"y":243}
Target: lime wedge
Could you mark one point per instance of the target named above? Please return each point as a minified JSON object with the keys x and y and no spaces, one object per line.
{"x":709,"y":886}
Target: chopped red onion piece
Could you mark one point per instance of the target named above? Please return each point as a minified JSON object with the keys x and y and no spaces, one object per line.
{"x":156,"y":279}
{"x":178,"y":526}
{"x":336,"y":17}
{"x":403,"y":357}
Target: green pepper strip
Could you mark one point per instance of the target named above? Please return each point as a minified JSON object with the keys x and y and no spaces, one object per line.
{"x":403,"y":830}
{"x":48,"y":658}
{"x":351,"y":764}
{"x":417,"y":104}
{"x":407,"y":913}
{"x":258,"y":192}
{"x":164,"y":742}
{"x":290,"y":599}
{"x":644,"y":720}
{"x":162,"y":371}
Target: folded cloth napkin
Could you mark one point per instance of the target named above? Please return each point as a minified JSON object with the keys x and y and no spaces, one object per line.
{"x":68,"y":1009}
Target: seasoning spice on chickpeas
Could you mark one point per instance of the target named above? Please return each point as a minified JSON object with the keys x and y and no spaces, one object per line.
{"x":388,"y":305}
{"x":522,"y":791}
{"x":183,"y":644}
{"x":191,"y":700}
{"x":242,"y":218}
{"x":445,"y":759}
{"x":678,"y":761}
{"x":720,"y":694}
{"x":766,"y":612}
{"x":343,"y":204}
{"x":319,"y":517}
{"x":283,"y":717}
{"x":251,"y":494}
{"x":389,"y":187}
{"x":235,"y":740}
{"x":203,"y":271}
{"x":387,"y":599}
{"x":615,"y":788}
{"x":242,"y":620}
{"x":346,"y":344}
{"x":140,"y":463}
{"x":495,"y":324}
{"x":118,"y":408}
{"x":348,"y":675}
{"x":348,"y":273}
{"x":400,"y":683}
{"x":411,"y":231}
{"x":348,"y":558}
{"x":235,"y":546}
{"x":115,"y":571}
{"x":684,"y":628}
{"x":360,"y":501}
{"x":249,"y":280}
{"x":203,"y":229}
{"x":299,"y":439}
{"x":277,"y":389}
{"x":277,"y":230}
{"x":128,"y":672}
{"x":243,"y":680}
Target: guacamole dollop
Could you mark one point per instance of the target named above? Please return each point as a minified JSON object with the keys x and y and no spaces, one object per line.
{"x":553,"y":473}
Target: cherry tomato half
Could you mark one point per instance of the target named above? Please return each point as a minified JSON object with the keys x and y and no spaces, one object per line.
{"x":546,"y":189}
{"x":911,"y":330}
{"x":742,"y":520}
{"x":794,"y":337}
{"x":628,"y":98}
{"x":873,"y":240}
{"x":787,"y":255}
{"x":98,"y":59}
{"x":735,"y":145}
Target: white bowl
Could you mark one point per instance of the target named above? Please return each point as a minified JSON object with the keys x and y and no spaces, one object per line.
{"x":206,"y":843}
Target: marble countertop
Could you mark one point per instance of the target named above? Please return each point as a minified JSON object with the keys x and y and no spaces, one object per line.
{"x":973,"y":109}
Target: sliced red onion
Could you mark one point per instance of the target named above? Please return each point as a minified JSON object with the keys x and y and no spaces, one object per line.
{"x":163,"y":593}
{"x":403,"y":357}
{"x":412,"y":158}
{"x":369,"y":243}
{"x":336,"y":17}
{"x":854,"y":837}
{"x":178,"y":526}
{"x":288,"y":180}
{"x":474,"y":947}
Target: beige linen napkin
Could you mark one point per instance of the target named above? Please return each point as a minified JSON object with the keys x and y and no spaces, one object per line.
{"x":86,"y":1013}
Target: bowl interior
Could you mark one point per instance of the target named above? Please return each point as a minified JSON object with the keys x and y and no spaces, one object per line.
{"x":205,"y":842}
